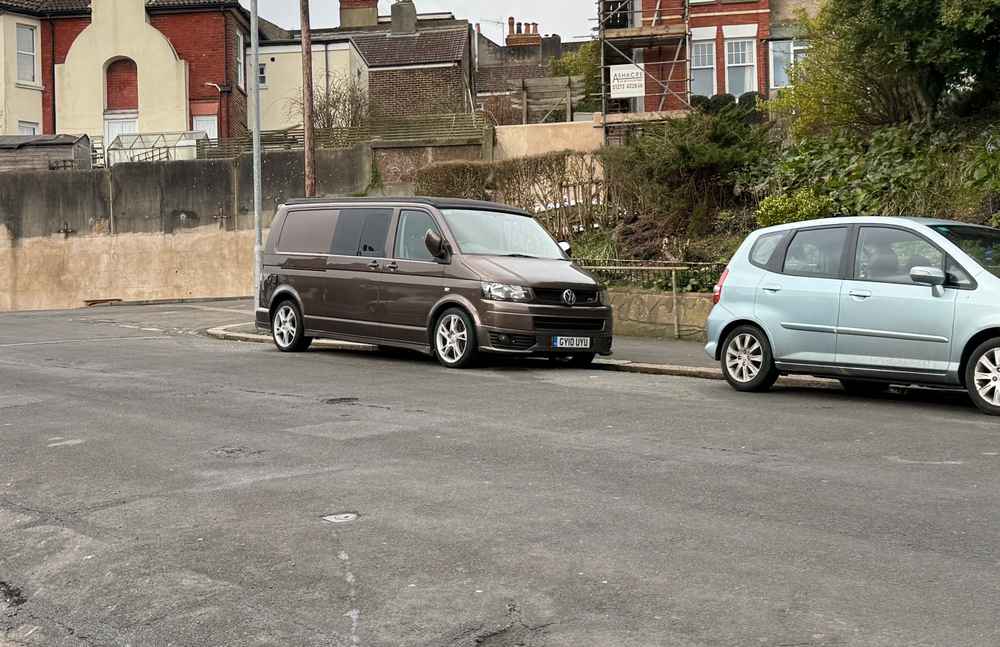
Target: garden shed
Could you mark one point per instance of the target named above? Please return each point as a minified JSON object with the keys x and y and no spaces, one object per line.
{"x":45,"y":152}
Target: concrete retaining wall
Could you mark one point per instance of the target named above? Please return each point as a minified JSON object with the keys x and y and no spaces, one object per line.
{"x":651,"y":314}
{"x":514,"y":142}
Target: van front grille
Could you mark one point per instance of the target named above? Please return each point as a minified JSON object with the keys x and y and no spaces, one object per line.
{"x":554,"y":296}
{"x":569,"y":324}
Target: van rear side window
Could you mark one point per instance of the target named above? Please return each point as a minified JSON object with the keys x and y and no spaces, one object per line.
{"x":362,"y":232}
{"x":307,"y":231}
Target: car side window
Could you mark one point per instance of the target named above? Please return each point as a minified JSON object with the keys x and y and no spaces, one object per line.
{"x":307,"y":231}
{"x":763,"y":250}
{"x":361,"y":232}
{"x":410,"y":235}
{"x":888,"y":255}
{"x":816,"y":252}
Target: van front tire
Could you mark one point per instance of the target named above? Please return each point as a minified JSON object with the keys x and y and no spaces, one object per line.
{"x":288,"y":328}
{"x":454,"y":339}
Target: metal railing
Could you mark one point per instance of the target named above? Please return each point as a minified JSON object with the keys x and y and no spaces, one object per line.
{"x":677,"y":278}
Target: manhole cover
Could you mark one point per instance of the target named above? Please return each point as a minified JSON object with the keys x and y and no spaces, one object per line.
{"x":341,"y":517}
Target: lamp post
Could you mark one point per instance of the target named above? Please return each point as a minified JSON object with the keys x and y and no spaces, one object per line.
{"x":257,"y":162}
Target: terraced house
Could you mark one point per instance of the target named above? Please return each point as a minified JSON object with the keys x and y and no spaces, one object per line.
{"x":110,"y":67}
{"x":683,"y":48}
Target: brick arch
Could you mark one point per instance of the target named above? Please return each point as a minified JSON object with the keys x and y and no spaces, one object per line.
{"x":121,"y":84}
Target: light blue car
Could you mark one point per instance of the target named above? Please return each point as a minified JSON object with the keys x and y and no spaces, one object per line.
{"x":870,"y":301}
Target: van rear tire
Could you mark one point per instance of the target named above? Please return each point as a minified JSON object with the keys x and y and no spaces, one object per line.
{"x":288,"y":328}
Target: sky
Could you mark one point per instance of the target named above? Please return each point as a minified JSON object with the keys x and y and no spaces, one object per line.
{"x":568,"y":18}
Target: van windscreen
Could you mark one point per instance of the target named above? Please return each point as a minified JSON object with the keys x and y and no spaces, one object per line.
{"x":496,"y":233}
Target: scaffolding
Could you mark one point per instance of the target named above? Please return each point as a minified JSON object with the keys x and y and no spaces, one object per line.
{"x":625,"y":33}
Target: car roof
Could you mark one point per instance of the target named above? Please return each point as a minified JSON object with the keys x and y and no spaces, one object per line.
{"x":879,"y":220}
{"x":438,"y":203}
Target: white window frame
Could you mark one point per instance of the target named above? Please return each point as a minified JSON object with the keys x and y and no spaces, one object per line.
{"x":129,"y":119}
{"x":241,"y":61}
{"x":33,"y":53}
{"x":214,"y":133}
{"x":797,"y":46}
{"x":714,"y":68}
{"x":27,"y":127}
{"x":755,"y":80}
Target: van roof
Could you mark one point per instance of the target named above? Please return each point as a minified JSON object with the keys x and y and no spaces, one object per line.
{"x":439,"y":203}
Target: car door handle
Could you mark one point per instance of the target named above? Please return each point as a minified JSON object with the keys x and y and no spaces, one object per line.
{"x":861,"y":295}
{"x":773,"y":289}
{"x":373,"y":265}
{"x":391,"y":267}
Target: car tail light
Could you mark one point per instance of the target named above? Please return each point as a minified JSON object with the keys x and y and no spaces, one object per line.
{"x":717,"y":290}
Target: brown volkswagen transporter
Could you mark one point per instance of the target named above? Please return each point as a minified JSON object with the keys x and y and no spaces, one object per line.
{"x":442,"y":276}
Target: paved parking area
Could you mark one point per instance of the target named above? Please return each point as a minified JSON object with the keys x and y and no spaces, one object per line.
{"x":161,"y":488}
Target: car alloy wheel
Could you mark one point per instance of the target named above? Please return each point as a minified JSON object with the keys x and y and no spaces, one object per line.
{"x":454,"y":339}
{"x":982,"y":378}
{"x":744,"y":358}
{"x":747,"y":362}
{"x":286,"y":324}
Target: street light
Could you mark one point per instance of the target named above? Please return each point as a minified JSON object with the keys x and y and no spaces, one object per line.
{"x":257,"y":165}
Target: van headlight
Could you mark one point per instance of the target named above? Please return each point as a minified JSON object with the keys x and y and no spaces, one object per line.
{"x":503,"y":292}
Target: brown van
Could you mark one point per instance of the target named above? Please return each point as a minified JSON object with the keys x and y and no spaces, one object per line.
{"x":451,"y":278}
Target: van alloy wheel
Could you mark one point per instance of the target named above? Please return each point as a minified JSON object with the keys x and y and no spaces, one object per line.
{"x":744,"y":358}
{"x":451,"y":339}
{"x":285,"y":326}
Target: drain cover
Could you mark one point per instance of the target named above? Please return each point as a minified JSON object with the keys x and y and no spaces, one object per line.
{"x":341,"y":517}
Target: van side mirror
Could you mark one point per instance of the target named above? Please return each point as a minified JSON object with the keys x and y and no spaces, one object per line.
{"x":436,"y":245}
{"x":932,"y":276}
{"x":566,"y":247}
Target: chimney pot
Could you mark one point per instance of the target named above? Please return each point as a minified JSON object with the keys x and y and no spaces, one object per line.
{"x":519,"y":28}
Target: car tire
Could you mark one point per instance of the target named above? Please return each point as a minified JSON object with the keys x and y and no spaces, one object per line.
{"x":288,"y":328}
{"x":982,"y":376}
{"x":454,"y":339}
{"x":864,"y":387}
{"x":747,"y":360}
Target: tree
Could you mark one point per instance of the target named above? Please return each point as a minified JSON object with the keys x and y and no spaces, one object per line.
{"x":585,"y":62}
{"x":882,"y":62}
{"x":340,"y":103}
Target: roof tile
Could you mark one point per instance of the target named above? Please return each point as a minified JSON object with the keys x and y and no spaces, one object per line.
{"x":424,"y":47}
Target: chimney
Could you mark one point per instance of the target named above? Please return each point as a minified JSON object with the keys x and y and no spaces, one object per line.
{"x":510,"y":26}
{"x":358,"y":13}
{"x":404,"y":17}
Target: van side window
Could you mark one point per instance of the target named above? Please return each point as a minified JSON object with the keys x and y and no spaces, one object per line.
{"x":816,"y":252}
{"x":763,"y":250}
{"x":361,"y":232}
{"x":413,"y":227}
{"x":307,"y":231}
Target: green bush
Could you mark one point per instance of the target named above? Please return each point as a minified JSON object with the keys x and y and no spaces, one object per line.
{"x":801,"y":205}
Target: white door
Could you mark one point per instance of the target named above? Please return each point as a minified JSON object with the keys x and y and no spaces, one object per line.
{"x":209,"y":124}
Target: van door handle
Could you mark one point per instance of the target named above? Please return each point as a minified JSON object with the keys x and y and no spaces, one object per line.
{"x":861,"y":295}
{"x":773,"y":289}
{"x":392,"y":267}
{"x":373,"y":265}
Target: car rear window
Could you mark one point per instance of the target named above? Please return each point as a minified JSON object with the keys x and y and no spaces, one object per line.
{"x":763,"y":250}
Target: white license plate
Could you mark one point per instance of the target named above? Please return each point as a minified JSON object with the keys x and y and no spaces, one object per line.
{"x":571,"y":342}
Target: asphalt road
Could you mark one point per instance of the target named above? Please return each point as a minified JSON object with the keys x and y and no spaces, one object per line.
{"x":161,"y":488}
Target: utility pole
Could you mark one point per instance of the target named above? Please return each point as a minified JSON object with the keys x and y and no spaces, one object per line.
{"x":307,"y":100}
{"x":257,"y":162}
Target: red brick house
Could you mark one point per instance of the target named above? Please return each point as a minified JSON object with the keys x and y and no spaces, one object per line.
{"x":688,"y":48}
{"x":208,"y":39}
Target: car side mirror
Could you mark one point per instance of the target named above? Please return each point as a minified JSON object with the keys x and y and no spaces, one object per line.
{"x":436,"y":245}
{"x":566,"y":247}
{"x":932,"y":276}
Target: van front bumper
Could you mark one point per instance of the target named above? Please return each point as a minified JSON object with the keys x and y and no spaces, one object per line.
{"x":529,"y":329}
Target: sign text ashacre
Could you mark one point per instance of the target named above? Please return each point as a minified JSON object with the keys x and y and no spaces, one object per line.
{"x":628,"y":81}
